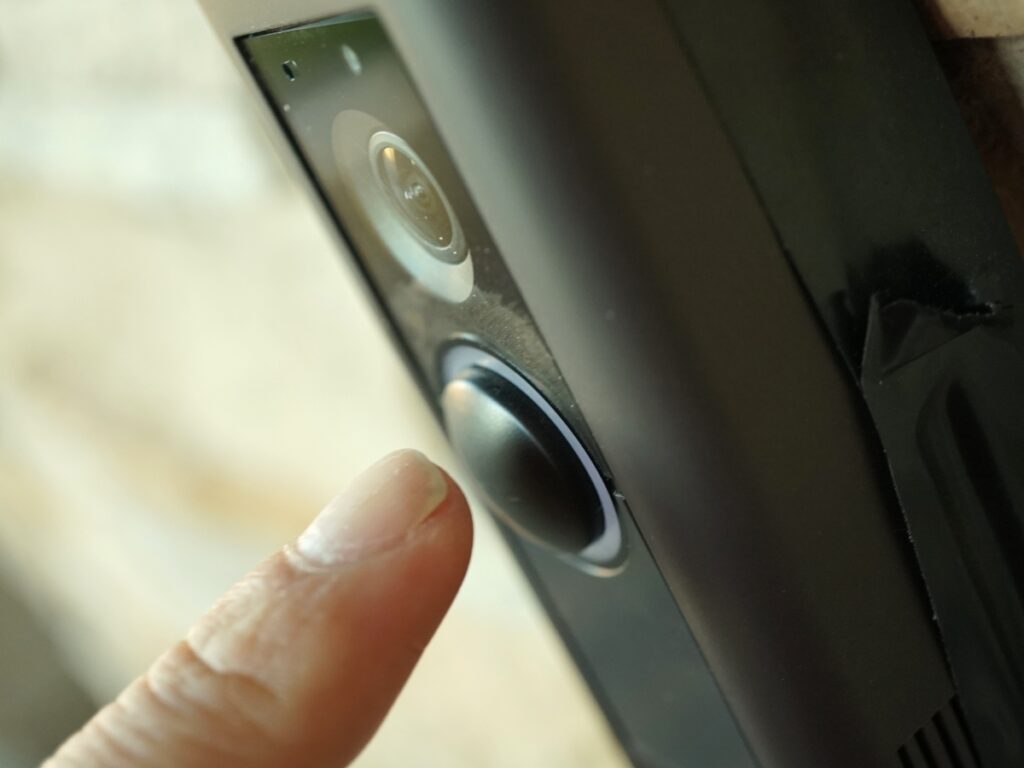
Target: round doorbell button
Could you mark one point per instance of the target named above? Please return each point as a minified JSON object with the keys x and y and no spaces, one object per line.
{"x":530,"y":467}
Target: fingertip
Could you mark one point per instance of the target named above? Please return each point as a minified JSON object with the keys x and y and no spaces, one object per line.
{"x":456,"y":512}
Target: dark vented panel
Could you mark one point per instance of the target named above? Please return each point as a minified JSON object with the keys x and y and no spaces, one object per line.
{"x":942,"y":742}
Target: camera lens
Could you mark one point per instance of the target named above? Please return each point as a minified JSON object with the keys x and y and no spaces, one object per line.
{"x":411,"y":187}
{"x":397,"y":200}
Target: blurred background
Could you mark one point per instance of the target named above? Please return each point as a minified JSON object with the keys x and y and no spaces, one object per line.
{"x":186,"y":376}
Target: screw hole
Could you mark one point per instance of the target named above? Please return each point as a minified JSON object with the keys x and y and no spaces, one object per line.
{"x":290,"y":69}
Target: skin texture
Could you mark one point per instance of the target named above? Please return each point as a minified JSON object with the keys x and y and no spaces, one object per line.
{"x":299,"y":662}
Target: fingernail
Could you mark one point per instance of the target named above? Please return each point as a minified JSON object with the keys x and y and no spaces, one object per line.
{"x":379,"y":509}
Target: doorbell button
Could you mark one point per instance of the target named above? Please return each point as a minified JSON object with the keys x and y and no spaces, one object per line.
{"x":530,"y":467}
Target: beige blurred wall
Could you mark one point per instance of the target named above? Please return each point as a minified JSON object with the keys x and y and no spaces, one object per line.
{"x":186,"y":375}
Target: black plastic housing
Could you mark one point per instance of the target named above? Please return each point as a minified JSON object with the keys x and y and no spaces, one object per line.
{"x":700,"y":203}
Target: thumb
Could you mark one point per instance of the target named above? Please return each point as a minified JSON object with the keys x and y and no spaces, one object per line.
{"x":298,"y":663}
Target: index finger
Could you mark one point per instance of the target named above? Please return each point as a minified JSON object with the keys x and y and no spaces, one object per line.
{"x":299,"y":662}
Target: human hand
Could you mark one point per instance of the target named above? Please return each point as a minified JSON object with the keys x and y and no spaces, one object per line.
{"x":299,"y":662}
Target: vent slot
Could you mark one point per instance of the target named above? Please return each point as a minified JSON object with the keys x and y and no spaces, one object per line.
{"x":942,"y":742}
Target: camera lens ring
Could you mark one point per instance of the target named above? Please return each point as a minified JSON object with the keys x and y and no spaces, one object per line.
{"x":404,"y":177}
{"x":423,"y":236}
